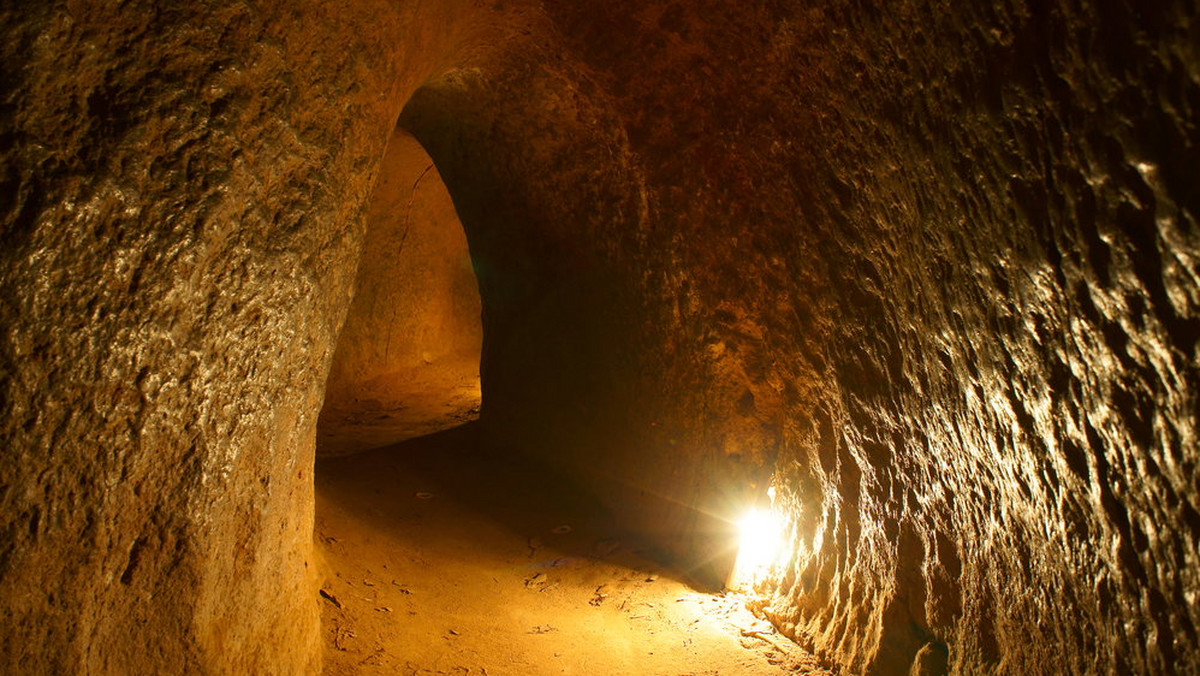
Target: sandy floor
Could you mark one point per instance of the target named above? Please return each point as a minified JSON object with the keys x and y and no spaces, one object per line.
{"x":440,"y":560}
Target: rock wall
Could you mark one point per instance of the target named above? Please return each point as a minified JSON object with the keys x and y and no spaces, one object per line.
{"x":1003,"y":454}
{"x":932,"y":268}
{"x":407,"y":358}
{"x":182,"y":188}
{"x":945,"y":258}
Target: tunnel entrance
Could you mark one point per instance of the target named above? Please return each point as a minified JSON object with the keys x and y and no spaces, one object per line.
{"x":407,"y":360}
{"x":444,"y":554}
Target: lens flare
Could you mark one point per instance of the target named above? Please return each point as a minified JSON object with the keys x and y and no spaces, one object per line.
{"x":761,"y":542}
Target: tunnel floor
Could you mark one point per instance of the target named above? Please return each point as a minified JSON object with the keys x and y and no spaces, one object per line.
{"x":441,"y":559}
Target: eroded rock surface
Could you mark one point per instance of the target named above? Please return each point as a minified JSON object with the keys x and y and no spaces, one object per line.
{"x":934,"y":268}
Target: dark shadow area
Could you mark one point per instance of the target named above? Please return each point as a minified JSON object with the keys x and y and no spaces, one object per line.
{"x":520,"y":494}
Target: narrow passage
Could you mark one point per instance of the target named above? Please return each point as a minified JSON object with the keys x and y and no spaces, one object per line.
{"x":443,"y":559}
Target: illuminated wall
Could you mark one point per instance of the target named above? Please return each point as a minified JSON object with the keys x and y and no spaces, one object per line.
{"x":407,"y":358}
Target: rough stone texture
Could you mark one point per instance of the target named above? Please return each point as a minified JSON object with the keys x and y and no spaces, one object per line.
{"x":966,"y":269}
{"x":182,"y":191}
{"x":932,"y":267}
{"x":407,"y":359}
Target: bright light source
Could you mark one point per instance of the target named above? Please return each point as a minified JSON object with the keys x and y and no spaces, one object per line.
{"x":762,"y":534}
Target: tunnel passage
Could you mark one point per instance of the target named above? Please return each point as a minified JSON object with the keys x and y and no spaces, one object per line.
{"x":407,"y":359}
{"x":929,"y":272}
{"x":441,"y":545}
{"x":476,"y":528}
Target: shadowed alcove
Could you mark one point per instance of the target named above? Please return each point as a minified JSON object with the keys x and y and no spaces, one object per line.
{"x":407,"y":359}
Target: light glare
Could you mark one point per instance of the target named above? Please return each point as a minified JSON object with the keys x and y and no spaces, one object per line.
{"x":759,"y":548}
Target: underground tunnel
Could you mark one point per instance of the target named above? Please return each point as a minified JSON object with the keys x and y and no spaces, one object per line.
{"x":645,"y":338}
{"x":434,"y":537}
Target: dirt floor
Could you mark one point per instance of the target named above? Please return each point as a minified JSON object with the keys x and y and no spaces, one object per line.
{"x":443,"y":559}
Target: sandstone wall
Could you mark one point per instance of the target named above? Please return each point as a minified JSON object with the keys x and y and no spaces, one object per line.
{"x":181,"y":195}
{"x":934,"y":267}
{"x":407,"y":359}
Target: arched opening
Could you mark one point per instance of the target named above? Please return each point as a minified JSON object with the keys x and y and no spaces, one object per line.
{"x":407,"y":360}
{"x":446,"y":545}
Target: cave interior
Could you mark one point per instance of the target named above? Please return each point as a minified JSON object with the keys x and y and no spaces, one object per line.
{"x":524,"y":337}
